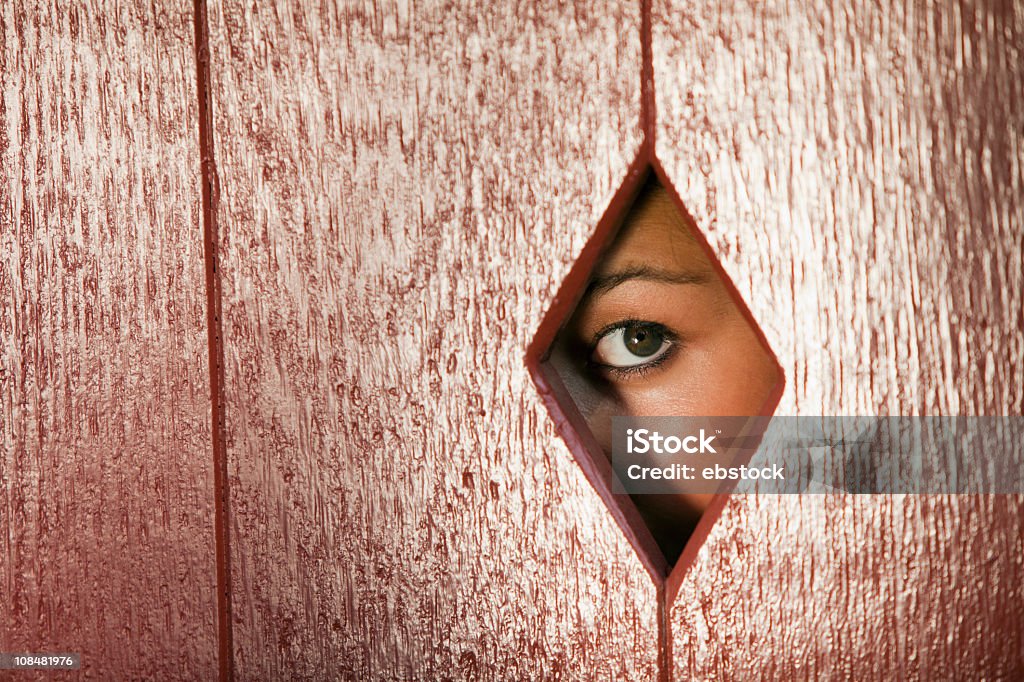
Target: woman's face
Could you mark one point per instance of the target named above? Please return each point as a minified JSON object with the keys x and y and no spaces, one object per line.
{"x":658,"y":334}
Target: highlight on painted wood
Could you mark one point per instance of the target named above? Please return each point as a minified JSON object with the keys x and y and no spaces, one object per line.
{"x":322,"y":325}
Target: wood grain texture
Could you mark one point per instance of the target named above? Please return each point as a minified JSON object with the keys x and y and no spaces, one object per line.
{"x":105,"y":468}
{"x":858,"y":169}
{"x":403,"y":188}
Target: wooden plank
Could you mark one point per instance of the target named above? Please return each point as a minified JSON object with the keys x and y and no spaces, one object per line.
{"x":858,"y":169}
{"x":106,"y":499}
{"x":403,"y":188}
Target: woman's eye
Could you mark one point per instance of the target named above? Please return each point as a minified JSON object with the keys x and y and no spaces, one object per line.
{"x":631,"y":345}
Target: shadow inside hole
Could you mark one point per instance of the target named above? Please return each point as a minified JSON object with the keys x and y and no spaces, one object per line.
{"x":658,"y":332}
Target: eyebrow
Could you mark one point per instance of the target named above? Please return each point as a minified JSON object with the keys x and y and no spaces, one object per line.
{"x":607,"y":282}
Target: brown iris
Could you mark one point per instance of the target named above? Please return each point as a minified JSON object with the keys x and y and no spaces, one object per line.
{"x":642,"y":341}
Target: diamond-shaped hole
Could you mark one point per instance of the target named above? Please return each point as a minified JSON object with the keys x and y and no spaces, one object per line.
{"x":647,"y":324}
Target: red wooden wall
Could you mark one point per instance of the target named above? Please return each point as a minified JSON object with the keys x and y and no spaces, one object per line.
{"x":401,"y":192}
{"x":268,"y":272}
{"x":106,"y":486}
{"x":857,"y":167}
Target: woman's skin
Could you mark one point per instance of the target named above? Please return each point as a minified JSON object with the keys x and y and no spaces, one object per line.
{"x":658,"y":334}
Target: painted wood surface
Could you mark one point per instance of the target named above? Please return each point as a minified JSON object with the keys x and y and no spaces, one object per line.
{"x":105,"y":468}
{"x":858,"y":169}
{"x":403,"y":188}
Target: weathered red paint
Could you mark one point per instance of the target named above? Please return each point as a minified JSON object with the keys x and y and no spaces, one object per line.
{"x":401,"y":196}
{"x":402,"y":192}
{"x":854,"y":168}
{"x":106,"y":506}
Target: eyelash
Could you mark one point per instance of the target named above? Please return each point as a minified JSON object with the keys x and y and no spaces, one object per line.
{"x":635,"y":370}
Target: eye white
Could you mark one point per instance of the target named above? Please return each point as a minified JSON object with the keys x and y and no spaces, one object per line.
{"x":611,"y":351}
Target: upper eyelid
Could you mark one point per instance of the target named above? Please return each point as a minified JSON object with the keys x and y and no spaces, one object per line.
{"x":622,"y":324}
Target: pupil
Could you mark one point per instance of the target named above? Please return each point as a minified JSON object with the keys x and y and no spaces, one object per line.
{"x":643,"y":341}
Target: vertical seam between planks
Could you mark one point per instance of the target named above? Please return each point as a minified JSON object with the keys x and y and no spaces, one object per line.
{"x":647,"y":124}
{"x":664,"y":639}
{"x":210,"y":197}
{"x":647,"y":104}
